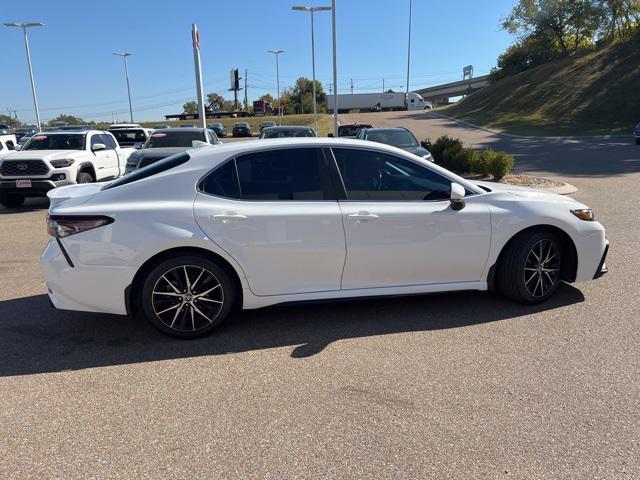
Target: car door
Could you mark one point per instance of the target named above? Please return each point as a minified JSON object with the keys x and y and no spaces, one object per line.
{"x":275,"y":212}
{"x":105,"y":161}
{"x":399,"y":225}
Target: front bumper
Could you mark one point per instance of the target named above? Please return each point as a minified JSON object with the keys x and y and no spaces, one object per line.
{"x":39,"y":187}
{"x":602,"y":266}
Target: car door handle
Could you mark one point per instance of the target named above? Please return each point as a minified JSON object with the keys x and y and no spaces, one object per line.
{"x":363,"y":216}
{"x":228,"y":217}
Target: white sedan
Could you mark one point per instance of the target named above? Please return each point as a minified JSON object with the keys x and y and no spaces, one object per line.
{"x":188,"y":239}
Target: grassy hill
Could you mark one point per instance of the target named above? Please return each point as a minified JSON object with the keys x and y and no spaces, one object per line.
{"x":594,"y":93}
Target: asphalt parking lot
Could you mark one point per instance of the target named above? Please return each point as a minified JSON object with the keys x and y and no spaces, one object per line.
{"x":461,"y":385}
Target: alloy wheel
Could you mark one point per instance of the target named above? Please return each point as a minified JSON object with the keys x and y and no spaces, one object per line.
{"x":187,"y":298}
{"x":542,"y":268}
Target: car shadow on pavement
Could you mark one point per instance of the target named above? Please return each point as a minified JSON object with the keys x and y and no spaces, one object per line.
{"x":30,"y":205}
{"x":35,"y":338}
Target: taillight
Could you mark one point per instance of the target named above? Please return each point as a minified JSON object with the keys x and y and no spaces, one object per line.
{"x":61,"y":226}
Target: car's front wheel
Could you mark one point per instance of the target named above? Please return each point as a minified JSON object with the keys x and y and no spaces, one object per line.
{"x":187,"y":296}
{"x":530,"y":267}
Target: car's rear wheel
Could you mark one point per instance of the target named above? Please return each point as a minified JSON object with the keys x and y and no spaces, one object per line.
{"x":11,"y":200}
{"x":530,"y":267}
{"x":187,"y":296}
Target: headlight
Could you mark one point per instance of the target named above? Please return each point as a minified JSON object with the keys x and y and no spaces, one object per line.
{"x":65,"y":162}
{"x":585,"y":214}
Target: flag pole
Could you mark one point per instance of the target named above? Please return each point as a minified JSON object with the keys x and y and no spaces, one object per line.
{"x":195,"y":35}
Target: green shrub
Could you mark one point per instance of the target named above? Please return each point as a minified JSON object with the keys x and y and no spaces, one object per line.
{"x":500,"y":165}
{"x":441,"y":144}
{"x":479,"y":163}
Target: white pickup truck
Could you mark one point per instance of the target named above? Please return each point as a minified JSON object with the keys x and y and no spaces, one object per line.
{"x":53,"y":159}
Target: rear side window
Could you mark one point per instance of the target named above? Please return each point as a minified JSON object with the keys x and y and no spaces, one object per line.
{"x":153,"y":169}
{"x":295,"y":174}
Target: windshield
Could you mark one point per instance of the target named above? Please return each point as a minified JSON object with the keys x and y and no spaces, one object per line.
{"x":348,"y":131}
{"x":174,"y":139}
{"x":396,"y":138}
{"x":69,"y":141}
{"x":286,"y":133}
{"x":127,"y":138}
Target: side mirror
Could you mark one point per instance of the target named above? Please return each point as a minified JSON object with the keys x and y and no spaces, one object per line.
{"x":138,"y":145}
{"x":198,"y":144}
{"x":426,"y":143}
{"x":98,"y":146}
{"x":457,"y":196}
{"x":330,"y":135}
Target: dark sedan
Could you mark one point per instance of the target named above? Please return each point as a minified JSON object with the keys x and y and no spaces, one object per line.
{"x":287,"y":132}
{"x":219,"y":128}
{"x":396,"y":137}
{"x":242,"y":129}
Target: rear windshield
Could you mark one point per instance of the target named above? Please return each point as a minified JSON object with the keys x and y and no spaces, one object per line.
{"x":395,"y":138}
{"x":286,"y":133}
{"x":42,"y":141}
{"x":174,"y":139}
{"x":127,"y":138}
{"x":153,"y":169}
{"x":348,"y":131}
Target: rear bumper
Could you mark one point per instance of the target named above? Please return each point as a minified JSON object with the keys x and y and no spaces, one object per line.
{"x":87,"y":288}
{"x":39,"y":188}
{"x":602,"y":266}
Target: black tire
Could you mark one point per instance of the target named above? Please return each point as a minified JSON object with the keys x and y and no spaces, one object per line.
{"x":84,"y":177}
{"x":524,"y":279}
{"x":637,"y":141}
{"x":11,"y":200}
{"x":187,"y":309}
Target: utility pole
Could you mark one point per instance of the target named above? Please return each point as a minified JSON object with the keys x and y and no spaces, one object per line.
{"x":330,"y":88}
{"x":246,"y":100}
{"x":408,"y":55}
{"x":335,"y":69}
{"x":382,"y":84}
{"x":352,"y":86}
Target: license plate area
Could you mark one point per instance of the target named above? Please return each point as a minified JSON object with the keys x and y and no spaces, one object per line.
{"x":23,"y":183}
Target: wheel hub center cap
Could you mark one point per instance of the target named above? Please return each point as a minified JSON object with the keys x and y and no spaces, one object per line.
{"x":188,"y":298}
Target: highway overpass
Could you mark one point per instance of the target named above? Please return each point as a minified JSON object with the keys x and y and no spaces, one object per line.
{"x":440,"y":94}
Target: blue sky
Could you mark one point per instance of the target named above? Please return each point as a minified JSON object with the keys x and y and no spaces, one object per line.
{"x":76,"y":73}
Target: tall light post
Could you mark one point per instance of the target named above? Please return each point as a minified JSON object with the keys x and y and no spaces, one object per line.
{"x":24,"y":27}
{"x":335,"y":70}
{"x":408,"y":55}
{"x":124,"y":56}
{"x":313,"y":10}
{"x":276,"y":53}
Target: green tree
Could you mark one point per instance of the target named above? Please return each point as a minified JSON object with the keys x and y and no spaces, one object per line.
{"x":190,"y":107}
{"x":267,"y":98}
{"x":302,"y":93}
{"x":215,"y":100}
{"x":66,"y":120}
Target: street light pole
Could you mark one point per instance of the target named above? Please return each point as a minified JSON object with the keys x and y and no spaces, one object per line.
{"x":312,"y":10}
{"x":124,"y":55}
{"x":276,"y":53}
{"x":335,"y":70}
{"x":24,"y":27}
{"x":408,"y":56}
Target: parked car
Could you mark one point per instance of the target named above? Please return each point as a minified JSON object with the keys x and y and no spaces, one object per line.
{"x":72,"y":128}
{"x":241,"y":129}
{"x":160,"y":127}
{"x":251,"y":224}
{"x":351,"y":130}
{"x":21,"y":132}
{"x":287,"y":132}
{"x":396,"y":137}
{"x":267,"y":124}
{"x":636,"y":133}
{"x":219,"y":128}
{"x":8,"y":144}
{"x":188,"y":125}
{"x":52,"y":159}
{"x":168,"y":142}
{"x":129,"y":135}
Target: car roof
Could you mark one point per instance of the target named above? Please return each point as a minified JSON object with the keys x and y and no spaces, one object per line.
{"x":70,"y":132}
{"x":288,"y":127}
{"x":351,"y":125}
{"x":182,"y":129}
{"x":387,"y":129}
{"x":115,"y":126}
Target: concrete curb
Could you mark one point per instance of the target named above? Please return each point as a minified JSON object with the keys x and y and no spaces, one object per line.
{"x":513,"y":135}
